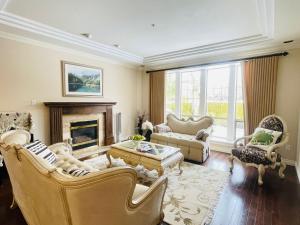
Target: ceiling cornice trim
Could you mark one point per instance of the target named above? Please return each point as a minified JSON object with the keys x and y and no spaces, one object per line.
{"x":3,"y":4}
{"x":224,"y":57}
{"x":266,"y":14}
{"x":71,"y":51}
{"x":265,"y":11}
{"x":207,"y":48}
{"x":22,"y":23}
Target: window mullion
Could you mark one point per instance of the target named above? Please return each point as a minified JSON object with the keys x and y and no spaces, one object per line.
{"x":178,"y":94}
{"x":231,"y":103}
{"x":203,"y":87}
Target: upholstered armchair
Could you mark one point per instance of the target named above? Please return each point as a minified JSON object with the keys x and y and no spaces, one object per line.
{"x":262,"y":158}
{"x":107,"y":197}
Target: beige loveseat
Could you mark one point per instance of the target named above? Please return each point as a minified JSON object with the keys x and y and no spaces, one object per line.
{"x":182,"y":134}
{"x":107,"y":197}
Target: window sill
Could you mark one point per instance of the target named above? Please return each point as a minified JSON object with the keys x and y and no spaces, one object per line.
{"x":221,"y":145}
{"x":221,"y":141}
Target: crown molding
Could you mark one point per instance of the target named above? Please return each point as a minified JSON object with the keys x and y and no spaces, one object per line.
{"x":71,"y":51}
{"x":266,"y":14}
{"x":3,"y":4}
{"x":265,"y":11}
{"x":226,"y":56}
{"x":24,"y":24}
{"x":240,"y":42}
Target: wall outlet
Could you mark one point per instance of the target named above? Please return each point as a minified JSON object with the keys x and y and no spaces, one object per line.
{"x":288,"y":147}
{"x":33,"y":102}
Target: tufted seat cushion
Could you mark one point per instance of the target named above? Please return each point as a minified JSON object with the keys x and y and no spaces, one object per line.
{"x":250,"y":154}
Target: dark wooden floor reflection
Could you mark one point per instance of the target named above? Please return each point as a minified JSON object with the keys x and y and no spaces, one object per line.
{"x":243,"y":202}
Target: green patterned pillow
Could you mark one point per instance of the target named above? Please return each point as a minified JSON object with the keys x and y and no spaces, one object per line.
{"x":264,"y":138}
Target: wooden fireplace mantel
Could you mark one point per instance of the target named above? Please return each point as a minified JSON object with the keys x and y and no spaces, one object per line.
{"x":58,"y":109}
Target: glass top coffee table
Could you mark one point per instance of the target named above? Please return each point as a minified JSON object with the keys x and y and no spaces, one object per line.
{"x":150,"y":155}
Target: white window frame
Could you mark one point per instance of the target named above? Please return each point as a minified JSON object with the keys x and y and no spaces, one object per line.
{"x":232,"y":90}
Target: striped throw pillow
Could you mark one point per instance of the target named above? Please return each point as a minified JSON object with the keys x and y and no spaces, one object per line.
{"x":41,"y":150}
{"x":77,"y":172}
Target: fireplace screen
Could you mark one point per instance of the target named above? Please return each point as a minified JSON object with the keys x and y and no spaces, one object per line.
{"x":84,"y":134}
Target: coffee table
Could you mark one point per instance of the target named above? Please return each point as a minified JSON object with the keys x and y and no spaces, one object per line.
{"x":158,"y":157}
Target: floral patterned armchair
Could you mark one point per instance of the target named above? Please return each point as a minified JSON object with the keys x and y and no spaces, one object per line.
{"x":14,"y":121}
{"x":262,"y":158}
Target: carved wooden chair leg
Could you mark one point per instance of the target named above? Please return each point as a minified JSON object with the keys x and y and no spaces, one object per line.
{"x":231,"y":163}
{"x":162,"y":216}
{"x":281,"y":170}
{"x":261,"y":172}
{"x":13,"y":204}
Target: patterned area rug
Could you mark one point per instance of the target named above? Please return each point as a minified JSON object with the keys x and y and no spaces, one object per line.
{"x":191,"y":197}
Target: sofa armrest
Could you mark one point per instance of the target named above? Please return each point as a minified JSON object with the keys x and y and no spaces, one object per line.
{"x":159,"y":184}
{"x":235,"y":144}
{"x":109,"y":193}
{"x":162,"y":128}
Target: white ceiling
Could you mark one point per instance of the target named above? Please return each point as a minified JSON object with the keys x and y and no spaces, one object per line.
{"x":179,"y":24}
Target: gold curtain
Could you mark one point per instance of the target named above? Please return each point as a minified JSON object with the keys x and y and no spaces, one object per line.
{"x":157,"y":97}
{"x":260,"y":77}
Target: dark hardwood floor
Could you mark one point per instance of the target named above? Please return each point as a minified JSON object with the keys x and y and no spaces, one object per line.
{"x":243,"y":202}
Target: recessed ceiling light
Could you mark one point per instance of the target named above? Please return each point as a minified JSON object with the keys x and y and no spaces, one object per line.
{"x":117,"y":45}
{"x":289,"y":41}
{"x":87,"y":35}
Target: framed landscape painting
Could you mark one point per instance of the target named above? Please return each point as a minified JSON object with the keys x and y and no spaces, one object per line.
{"x":82,"y":80}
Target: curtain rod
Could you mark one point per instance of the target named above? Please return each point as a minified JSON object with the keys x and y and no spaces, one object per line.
{"x":226,"y":61}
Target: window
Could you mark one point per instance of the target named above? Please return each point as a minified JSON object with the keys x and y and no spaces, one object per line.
{"x":212,"y":90}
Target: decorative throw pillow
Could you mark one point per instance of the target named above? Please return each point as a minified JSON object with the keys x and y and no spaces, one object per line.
{"x":77,"y":172}
{"x":202,"y":135}
{"x":42,"y":151}
{"x":264,"y":138}
{"x":162,"y":128}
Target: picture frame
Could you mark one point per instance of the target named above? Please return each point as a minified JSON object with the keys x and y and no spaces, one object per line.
{"x":81,"y":80}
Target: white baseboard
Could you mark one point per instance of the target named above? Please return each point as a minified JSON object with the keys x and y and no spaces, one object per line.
{"x":289,"y":162}
{"x":221,"y":147}
{"x":298,"y":171}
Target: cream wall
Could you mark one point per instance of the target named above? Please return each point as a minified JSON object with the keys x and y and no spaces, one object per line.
{"x":287,"y":99}
{"x":29,"y":72}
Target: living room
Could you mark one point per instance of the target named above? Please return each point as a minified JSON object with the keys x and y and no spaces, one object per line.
{"x":183,"y":81}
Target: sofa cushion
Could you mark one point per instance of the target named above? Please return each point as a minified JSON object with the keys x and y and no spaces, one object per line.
{"x":249,"y":154}
{"x":178,"y":139}
{"x":139,"y":191}
{"x":41,"y":151}
{"x":69,"y":165}
{"x":188,"y":127}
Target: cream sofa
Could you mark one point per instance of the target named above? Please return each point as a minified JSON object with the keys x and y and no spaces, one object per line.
{"x":107,"y":197}
{"x":182,"y":134}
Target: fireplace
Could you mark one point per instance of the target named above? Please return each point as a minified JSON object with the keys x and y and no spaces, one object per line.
{"x":84,"y":134}
{"x":62,"y":114}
